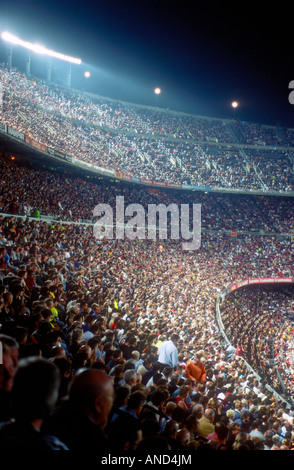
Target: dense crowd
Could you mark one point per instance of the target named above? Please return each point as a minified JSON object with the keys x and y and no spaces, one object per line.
{"x":261,"y":320}
{"x":114,"y":345}
{"x":146,"y":142}
{"x":26,"y":190}
{"x":124,"y":334}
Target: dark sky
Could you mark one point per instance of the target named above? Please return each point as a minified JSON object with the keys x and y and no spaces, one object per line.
{"x":202,"y":55}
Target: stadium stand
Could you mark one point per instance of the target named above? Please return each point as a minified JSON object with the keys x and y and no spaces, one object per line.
{"x":112,"y":308}
{"x":147,"y":144}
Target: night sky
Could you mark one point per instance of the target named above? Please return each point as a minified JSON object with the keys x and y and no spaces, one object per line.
{"x":202,"y":56}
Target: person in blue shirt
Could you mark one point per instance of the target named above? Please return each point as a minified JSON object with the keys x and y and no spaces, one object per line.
{"x":135,"y":404}
{"x":168,"y":352}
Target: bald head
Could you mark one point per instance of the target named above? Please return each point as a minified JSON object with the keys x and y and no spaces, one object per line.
{"x":209,"y":413}
{"x":92,"y":390}
{"x":198,"y":410}
{"x":183,"y":437}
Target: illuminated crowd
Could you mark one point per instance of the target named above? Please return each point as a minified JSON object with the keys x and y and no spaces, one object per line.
{"x":149,"y":143}
{"x":130,"y":296}
{"x":73,"y":198}
{"x":115,"y":345}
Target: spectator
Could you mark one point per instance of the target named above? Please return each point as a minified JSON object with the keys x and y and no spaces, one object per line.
{"x":241,"y":442}
{"x":10,"y":358}
{"x":125,"y":431}
{"x":129,"y":379}
{"x":246,"y":422}
{"x":195,"y":370}
{"x":34,"y":394}
{"x":170,"y":434}
{"x":174,"y":383}
{"x":183,"y":438}
{"x":206,"y":425}
{"x":168,"y":353}
{"x":80,"y":420}
{"x":198,"y":410}
{"x":182,"y":397}
{"x":154,"y":409}
{"x":145,"y":366}
{"x":220,"y":434}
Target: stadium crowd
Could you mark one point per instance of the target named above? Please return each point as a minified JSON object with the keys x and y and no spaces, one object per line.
{"x":247,"y":315}
{"x":124,"y":334}
{"x":26,"y":190}
{"x":115,"y":345}
{"x":148,"y":143}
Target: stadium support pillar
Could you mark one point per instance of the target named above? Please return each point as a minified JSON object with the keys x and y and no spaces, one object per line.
{"x":28,"y":64}
{"x":49,"y":70}
{"x":68,"y":78}
{"x":9,"y":57}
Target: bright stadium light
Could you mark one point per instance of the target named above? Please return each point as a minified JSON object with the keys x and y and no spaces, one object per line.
{"x":235,"y":105}
{"x":157,"y":92}
{"x":87,"y":75}
{"x":38,"y":48}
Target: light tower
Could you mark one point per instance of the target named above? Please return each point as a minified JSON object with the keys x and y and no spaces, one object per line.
{"x":28,"y":63}
{"x":157,"y":92}
{"x":49,"y":69}
{"x":87,"y":75}
{"x":38,"y":49}
{"x":235,"y":105}
{"x":68,"y":75}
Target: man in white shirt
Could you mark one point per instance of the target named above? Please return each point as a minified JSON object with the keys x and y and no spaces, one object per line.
{"x":168,"y":352}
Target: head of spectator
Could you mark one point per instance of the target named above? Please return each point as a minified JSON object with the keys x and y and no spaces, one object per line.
{"x":167,"y":372}
{"x":192,"y":424}
{"x":276,"y":442}
{"x":241,"y":441}
{"x":121,"y":397}
{"x":124,"y":438}
{"x":146,"y":365}
{"x":10,"y":352}
{"x":220,"y":435}
{"x":246,"y":421}
{"x":198,"y":410}
{"x":136,"y":402}
{"x":135,"y":356}
{"x":268,"y":439}
{"x":92,"y":391}
{"x":171,"y":429}
{"x":231,"y":415}
{"x":183,"y":438}
{"x":34,"y":395}
{"x":130,"y":378}
{"x":169,"y":408}
{"x":180,"y":415}
{"x":153,"y":409}
{"x":65,"y":369}
{"x":203,"y":400}
{"x":35,"y":389}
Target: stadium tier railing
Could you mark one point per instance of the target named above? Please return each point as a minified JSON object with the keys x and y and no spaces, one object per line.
{"x":220,"y":299}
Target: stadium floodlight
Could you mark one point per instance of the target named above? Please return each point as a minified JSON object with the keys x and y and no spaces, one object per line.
{"x":157,"y":92}
{"x":235,"y":105}
{"x":38,"y":48}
